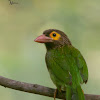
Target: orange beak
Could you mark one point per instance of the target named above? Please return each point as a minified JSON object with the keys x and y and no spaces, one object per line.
{"x":43,"y":39}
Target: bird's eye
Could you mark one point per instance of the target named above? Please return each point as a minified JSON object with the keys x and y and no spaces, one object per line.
{"x":54,"y":35}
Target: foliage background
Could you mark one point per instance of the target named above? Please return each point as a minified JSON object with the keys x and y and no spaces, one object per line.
{"x":22,"y":59}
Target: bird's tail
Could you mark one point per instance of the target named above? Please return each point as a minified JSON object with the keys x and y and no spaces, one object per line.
{"x":76,"y":94}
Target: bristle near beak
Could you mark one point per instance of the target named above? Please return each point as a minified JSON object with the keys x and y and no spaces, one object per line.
{"x":43,"y":39}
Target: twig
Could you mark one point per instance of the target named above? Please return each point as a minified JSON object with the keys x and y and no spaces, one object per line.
{"x":37,"y":89}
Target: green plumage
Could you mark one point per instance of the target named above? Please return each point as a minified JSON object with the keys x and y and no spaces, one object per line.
{"x":66,"y":65}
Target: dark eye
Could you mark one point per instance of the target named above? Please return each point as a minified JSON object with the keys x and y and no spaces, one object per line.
{"x":54,"y":35}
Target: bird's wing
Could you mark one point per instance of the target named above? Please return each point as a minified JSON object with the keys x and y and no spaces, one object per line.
{"x":64,"y":57}
{"x":81,"y":64}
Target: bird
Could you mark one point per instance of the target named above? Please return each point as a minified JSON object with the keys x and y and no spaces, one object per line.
{"x":66,"y":65}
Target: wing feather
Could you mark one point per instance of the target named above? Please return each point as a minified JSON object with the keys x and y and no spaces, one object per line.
{"x":81,"y":64}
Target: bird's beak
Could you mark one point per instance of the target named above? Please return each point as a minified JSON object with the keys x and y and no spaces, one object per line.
{"x":43,"y":39}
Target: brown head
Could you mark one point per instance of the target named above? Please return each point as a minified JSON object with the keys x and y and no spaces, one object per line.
{"x":53,"y":38}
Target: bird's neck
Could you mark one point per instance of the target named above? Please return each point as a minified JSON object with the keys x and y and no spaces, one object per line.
{"x":50,"y":46}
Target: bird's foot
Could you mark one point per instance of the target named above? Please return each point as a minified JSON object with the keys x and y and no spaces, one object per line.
{"x":55,"y":93}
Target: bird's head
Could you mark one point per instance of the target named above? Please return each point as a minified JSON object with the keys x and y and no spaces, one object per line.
{"x":53,"y":38}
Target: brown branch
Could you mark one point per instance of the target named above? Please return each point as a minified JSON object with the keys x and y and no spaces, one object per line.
{"x":37,"y":89}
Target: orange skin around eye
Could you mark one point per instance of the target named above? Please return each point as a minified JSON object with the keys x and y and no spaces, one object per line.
{"x":56,"y":37}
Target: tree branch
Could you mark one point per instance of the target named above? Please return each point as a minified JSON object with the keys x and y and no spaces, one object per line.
{"x":37,"y":89}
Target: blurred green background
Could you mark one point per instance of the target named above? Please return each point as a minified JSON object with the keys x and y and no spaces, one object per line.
{"x":24,"y":60}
